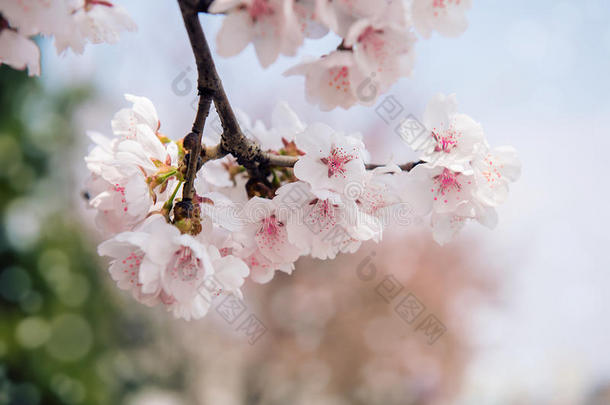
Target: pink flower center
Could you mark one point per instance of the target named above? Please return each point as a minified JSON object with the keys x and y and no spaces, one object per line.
{"x":338,"y":78}
{"x":373,"y":42}
{"x":260,"y":8}
{"x":447,"y":181}
{"x":185,"y":266}
{"x":371,"y":201}
{"x":322,"y":216}
{"x":336,"y":161}
{"x":271,"y":226}
{"x":444,"y":143}
{"x":272,"y":236}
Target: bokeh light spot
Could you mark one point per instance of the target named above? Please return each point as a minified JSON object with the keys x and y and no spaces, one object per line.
{"x":32,"y":332}
{"x":71,"y":337}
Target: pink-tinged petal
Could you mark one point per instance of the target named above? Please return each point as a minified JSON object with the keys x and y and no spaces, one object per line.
{"x":221,"y":6}
{"x":272,"y":241}
{"x":150,"y":276}
{"x":447,"y":17}
{"x":312,"y":171}
{"x":439,"y":110}
{"x":487,"y":216}
{"x":145,"y":111}
{"x":234,"y":34}
{"x":446,"y":226}
{"x":267,"y":47}
{"x":19,"y":52}
{"x":332,"y":80}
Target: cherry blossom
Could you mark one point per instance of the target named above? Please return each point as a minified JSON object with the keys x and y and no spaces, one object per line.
{"x":127,"y":255}
{"x":339,"y":15}
{"x":328,"y":204}
{"x":332,"y":162}
{"x":142,"y":112}
{"x":264,"y":234}
{"x":271,"y":26}
{"x":447,"y":189}
{"x":494,"y":169}
{"x":188,"y":271}
{"x":262,"y":269}
{"x":132,"y":170}
{"x":445,"y":226}
{"x":285,"y":125}
{"x":333,"y":80}
{"x":383,"y":50}
{"x":380,"y":196}
{"x":447,"y":17}
{"x":323,"y":227}
{"x":73,"y":23}
{"x":94,"y":21}
{"x":452,"y":140}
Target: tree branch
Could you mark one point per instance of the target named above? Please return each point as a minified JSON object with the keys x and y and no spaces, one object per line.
{"x":233,"y":141}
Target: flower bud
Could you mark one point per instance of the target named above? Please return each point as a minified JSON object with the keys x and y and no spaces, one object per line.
{"x":183,"y":210}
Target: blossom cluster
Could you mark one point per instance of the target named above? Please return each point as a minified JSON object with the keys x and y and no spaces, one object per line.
{"x":73,"y":23}
{"x":328,"y":203}
{"x":377,"y":46}
{"x":463,"y":178}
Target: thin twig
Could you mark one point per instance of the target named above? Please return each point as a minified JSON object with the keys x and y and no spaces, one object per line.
{"x":191,"y":22}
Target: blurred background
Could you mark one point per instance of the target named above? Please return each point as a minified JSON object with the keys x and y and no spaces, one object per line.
{"x":518,"y":315}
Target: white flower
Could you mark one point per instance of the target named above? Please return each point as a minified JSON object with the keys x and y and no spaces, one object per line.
{"x":285,"y":125}
{"x":333,"y":80}
{"x":493,"y":170}
{"x":214,"y":175}
{"x":127,"y":255}
{"x":142,"y":112}
{"x":113,"y":212}
{"x":446,"y":225}
{"x":189,"y":272}
{"x":18,"y":51}
{"x":95,"y":21}
{"x":264,"y":233}
{"x":339,"y":15}
{"x":220,"y":211}
{"x":72,"y":22}
{"x":383,"y":50}
{"x":451,"y":139}
{"x":381,"y":198}
{"x":270,"y":25}
{"x":128,"y":168}
{"x":262,"y":269}
{"x":322,"y":227}
{"x":443,"y":189}
{"x":332,"y":161}
{"x":447,"y":17}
